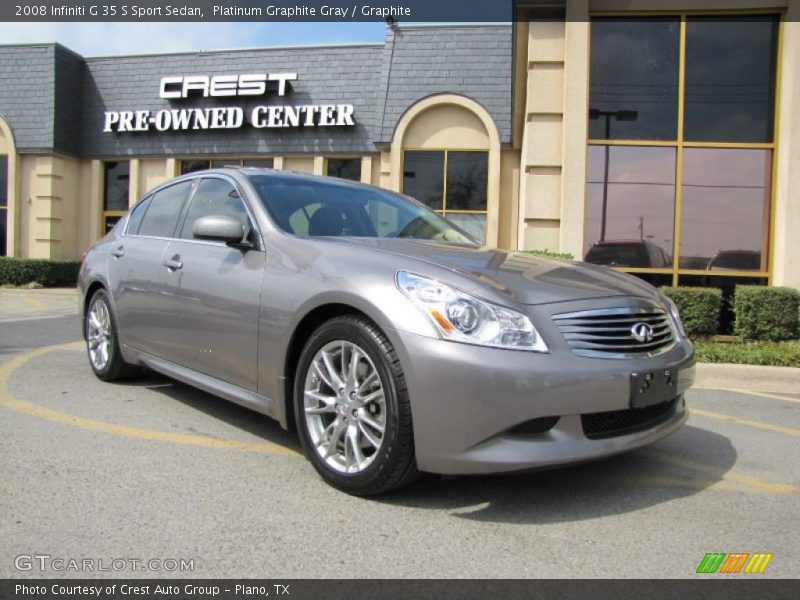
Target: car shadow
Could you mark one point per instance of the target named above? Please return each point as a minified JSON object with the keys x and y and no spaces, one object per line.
{"x":682,"y":465}
{"x":240,"y":417}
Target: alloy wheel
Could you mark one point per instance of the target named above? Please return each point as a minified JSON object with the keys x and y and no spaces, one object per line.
{"x":344,"y":407}
{"x":99,"y":334}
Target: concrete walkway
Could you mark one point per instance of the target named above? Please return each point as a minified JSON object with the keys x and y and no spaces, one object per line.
{"x":775,"y":380}
{"x":19,"y":304}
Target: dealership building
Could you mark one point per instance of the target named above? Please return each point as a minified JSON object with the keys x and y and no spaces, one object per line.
{"x":660,"y":137}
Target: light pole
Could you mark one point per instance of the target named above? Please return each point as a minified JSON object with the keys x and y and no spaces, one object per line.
{"x":619,"y":115}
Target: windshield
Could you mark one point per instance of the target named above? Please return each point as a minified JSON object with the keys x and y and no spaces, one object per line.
{"x":316,"y":208}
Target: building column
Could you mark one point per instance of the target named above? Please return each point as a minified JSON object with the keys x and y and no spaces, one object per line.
{"x":96,"y":199}
{"x":366,"y":169}
{"x":134,"y":182}
{"x":47,"y":207}
{"x":319,"y":165}
{"x":277,"y":163}
{"x":786,"y":220}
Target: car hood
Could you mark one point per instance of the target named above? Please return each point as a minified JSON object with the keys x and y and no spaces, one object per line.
{"x":525,"y":278}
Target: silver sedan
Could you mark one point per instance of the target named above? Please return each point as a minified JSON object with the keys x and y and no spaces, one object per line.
{"x":389,"y":338}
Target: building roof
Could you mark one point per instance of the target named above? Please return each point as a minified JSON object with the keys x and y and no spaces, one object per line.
{"x":54,"y":99}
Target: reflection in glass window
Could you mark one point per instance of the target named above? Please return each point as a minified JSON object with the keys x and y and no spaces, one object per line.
{"x":725,"y":208}
{"x":475,"y":225}
{"x":162,"y":214}
{"x":115,"y":186}
{"x":190,"y":166}
{"x":261,"y":163}
{"x":466,"y":181}
{"x":630,"y":211}
{"x":345,"y":168}
{"x":634,"y":78}
{"x":730,"y":78}
{"x":423,"y":177}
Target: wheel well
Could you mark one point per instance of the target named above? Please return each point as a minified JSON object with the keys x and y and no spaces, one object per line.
{"x":302,"y":332}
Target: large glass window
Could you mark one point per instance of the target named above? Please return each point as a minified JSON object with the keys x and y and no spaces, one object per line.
{"x":451,"y":182}
{"x":345,"y":168}
{"x":3,"y":204}
{"x":116,"y":185}
{"x":730,"y":78}
{"x":725,"y":209}
{"x":161,"y":216}
{"x":634,"y":79}
{"x":630,"y":210}
{"x":713,"y":169}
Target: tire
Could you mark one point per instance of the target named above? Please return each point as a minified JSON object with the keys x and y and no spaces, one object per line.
{"x":363,"y":460}
{"x":102,"y":340}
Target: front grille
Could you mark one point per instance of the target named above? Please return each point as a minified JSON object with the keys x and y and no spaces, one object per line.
{"x":621,"y":422}
{"x":608,"y":332}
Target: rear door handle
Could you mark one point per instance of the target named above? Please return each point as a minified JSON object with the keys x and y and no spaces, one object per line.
{"x":118,"y":252}
{"x":173,"y":264}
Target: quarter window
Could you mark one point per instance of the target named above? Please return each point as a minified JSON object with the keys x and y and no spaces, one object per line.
{"x":161,"y":216}
{"x":137,"y":214}
{"x":214,"y":197}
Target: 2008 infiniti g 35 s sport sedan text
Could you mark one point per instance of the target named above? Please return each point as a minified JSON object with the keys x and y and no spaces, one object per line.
{"x":392,"y":340}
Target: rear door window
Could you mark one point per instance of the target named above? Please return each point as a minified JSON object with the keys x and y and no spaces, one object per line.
{"x":165,"y":207}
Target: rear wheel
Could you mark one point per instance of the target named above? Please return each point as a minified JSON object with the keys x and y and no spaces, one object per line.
{"x":102,"y":341}
{"x":352,"y":408}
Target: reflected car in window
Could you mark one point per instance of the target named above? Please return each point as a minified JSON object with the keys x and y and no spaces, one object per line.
{"x":634,"y":254}
{"x":735,"y":260}
{"x":392,"y":341}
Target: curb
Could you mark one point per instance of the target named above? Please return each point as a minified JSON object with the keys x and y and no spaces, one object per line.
{"x":748,"y":377}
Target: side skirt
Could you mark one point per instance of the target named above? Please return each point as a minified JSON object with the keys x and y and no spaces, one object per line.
{"x":212,"y":385}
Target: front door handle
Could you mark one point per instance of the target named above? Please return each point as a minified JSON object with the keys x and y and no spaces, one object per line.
{"x":118,"y":252}
{"x":174,"y":263}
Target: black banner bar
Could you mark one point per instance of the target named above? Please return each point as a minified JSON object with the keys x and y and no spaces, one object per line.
{"x":705,"y":587}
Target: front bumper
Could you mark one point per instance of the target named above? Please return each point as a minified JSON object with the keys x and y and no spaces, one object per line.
{"x":466,"y":399}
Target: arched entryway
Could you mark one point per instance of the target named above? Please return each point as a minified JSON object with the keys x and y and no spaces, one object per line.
{"x":446,"y":153}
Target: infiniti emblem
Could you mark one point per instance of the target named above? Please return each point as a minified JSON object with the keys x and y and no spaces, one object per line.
{"x":642,"y":332}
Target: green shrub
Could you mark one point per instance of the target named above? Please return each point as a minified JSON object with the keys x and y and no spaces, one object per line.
{"x":766,"y":313}
{"x":699,"y":308}
{"x":49,"y":273}
{"x":550,"y":254}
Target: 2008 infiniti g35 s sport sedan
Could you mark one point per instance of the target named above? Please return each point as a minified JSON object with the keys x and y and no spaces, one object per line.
{"x":389,"y":338}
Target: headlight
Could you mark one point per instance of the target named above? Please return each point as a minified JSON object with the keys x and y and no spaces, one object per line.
{"x":460,"y":317}
{"x":676,"y":316}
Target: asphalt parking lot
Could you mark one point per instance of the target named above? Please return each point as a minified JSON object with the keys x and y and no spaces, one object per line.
{"x":153,"y":469}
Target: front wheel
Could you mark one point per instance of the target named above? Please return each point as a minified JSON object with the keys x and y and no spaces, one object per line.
{"x":352,"y":408}
{"x":102,"y":341}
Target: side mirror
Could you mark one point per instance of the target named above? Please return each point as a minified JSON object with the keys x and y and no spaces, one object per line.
{"x":219,"y":228}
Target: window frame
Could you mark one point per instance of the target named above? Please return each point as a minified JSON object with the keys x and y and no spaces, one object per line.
{"x":443,"y":212}
{"x":680,"y":144}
